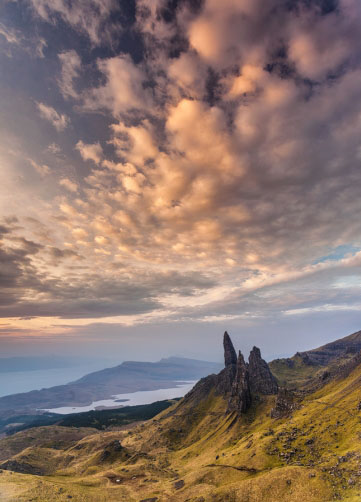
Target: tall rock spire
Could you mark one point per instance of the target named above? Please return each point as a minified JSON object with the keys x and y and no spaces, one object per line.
{"x":240,"y":399}
{"x":260,"y":377}
{"x":230,"y":356}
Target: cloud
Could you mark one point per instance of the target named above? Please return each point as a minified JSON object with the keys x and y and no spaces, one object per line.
{"x":15,"y":39}
{"x":59,"y":120}
{"x":224,"y":164}
{"x":320,"y":45}
{"x":54,"y":148}
{"x":92,"y":152}
{"x":124,"y":89}
{"x":86,"y":16}
{"x":80,"y":234}
{"x":69,"y":185}
{"x":189,"y":74}
{"x":70,"y":68}
{"x":42,"y":169}
{"x":228,"y":180}
{"x":9,"y":35}
{"x":90,"y":294}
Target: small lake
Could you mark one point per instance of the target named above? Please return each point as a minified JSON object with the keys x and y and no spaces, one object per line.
{"x":130,"y":399}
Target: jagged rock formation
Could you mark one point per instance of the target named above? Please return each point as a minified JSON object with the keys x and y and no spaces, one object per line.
{"x":238,"y":381}
{"x":285,"y":404}
{"x":230,"y":356}
{"x":240,"y":399}
{"x":260,"y":377}
{"x":249,"y":379}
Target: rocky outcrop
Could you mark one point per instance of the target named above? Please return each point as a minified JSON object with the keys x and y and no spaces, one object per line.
{"x":225,"y":380}
{"x":254,"y":378}
{"x":240,"y":399}
{"x":238,"y":381}
{"x":285,"y":404}
{"x":230,"y":356}
{"x":306,"y":358}
{"x":24,"y":468}
{"x":113,"y":451}
{"x":260,"y":377}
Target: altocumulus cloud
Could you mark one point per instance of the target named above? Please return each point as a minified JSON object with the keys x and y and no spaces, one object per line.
{"x":231,"y":148}
{"x":58,"y":120}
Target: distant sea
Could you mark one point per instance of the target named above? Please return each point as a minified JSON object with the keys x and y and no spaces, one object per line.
{"x":24,"y":381}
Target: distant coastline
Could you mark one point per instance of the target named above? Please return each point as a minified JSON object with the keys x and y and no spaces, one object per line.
{"x":131,"y":399}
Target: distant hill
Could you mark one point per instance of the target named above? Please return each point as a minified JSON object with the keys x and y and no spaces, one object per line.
{"x":171,"y":368}
{"x":130,"y":376}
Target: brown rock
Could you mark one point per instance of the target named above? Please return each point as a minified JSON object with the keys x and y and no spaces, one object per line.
{"x":284,"y":404}
{"x":240,"y":399}
{"x":261,"y":379}
{"x":230,"y":356}
{"x":179,"y":484}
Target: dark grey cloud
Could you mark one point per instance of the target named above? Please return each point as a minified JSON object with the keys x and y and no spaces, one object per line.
{"x":27,"y":290}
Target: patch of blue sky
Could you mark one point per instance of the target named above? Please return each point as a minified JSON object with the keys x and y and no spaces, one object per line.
{"x":338,"y":253}
{"x":347,"y":282}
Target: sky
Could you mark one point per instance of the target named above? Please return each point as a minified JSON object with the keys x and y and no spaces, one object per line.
{"x":172,"y":169}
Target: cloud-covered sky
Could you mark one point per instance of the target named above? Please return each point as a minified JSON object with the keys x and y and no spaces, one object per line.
{"x":171,"y":169}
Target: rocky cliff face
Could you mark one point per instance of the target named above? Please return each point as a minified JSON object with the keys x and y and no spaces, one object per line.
{"x":241,"y":398}
{"x":230,"y":356}
{"x":260,"y":377}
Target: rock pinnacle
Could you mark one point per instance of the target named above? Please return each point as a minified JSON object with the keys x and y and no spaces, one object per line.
{"x":230,"y":356}
{"x":260,"y":377}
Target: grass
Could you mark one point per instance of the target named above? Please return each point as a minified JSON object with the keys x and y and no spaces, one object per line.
{"x":293,"y":376}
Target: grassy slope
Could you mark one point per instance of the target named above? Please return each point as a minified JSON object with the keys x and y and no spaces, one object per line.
{"x":299,"y":374}
{"x":314,"y":456}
